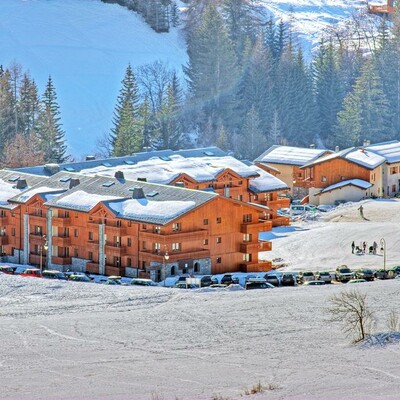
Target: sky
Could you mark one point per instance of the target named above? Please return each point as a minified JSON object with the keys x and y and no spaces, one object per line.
{"x":77,"y":341}
{"x":86,"y":46}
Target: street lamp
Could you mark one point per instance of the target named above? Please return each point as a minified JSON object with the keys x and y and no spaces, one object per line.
{"x":41,"y":247}
{"x":165,"y":259}
{"x":383,"y":250}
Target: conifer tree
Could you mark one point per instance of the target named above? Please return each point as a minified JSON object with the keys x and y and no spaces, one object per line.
{"x":7,"y":110}
{"x":50,"y":133}
{"x":28,"y":105}
{"x":127,"y":133}
{"x":222,"y":139}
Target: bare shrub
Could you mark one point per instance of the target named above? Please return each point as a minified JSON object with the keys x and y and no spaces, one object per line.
{"x":393,"y":322}
{"x":259,"y":388}
{"x":350,"y":308}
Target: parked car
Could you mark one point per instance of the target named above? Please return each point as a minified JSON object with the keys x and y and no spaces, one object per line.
{"x":343,"y":274}
{"x":323,"y":276}
{"x":299,"y":209}
{"x":394,"y":271}
{"x":53,"y":274}
{"x":288,"y":279}
{"x":381,"y":274}
{"x":228,"y":279}
{"x":258,"y":283}
{"x":206,"y":280}
{"x":184,"y":285}
{"x":314,"y":283}
{"x":305,"y":276}
{"x":271,"y":278}
{"x":357,"y":281}
{"x":143,"y":282}
{"x":6,"y":269}
{"x":217,"y":286}
{"x":79,"y":278}
{"x":32,"y":272}
{"x":325,"y":207}
{"x":364,"y":273}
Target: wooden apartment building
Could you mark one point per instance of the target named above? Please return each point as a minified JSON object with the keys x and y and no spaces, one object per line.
{"x":116,"y":226}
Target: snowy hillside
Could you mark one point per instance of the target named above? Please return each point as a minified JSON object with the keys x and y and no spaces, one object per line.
{"x":86,"y":45}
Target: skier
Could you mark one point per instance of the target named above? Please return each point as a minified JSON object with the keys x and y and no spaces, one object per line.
{"x":353,"y":245}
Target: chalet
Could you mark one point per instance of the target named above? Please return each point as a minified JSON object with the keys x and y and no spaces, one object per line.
{"x":289,"y":160}
{"x":111,"y":225}
{"x":383,"y":10}
{"x":208,"y":169}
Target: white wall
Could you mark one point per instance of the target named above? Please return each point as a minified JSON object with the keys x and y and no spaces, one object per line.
{"x":347,"y":193}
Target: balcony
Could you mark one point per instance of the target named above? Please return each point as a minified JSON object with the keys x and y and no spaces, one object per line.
{"x":112,"y":250}
{"x":275,"y":204}
{"x":281,"y":221}
{"x":92,"y":245}
{"x":116,"y":230}
{"x":37,"y":220}
{"x":173,"y":237}
{"x":255,"y":247}
{"x":257,"y":266}
{"x":174,"y":256}
{"x":92,"y":267}
{"x":61,"y":260}
{"x":61,"y":241}
{"x":4,"y":220}
{"x":35,"y":259}
{"x":3,"y":240}
{"x":61,"y":222}
{"x":36,"y":238}
{"x":256,"y":227}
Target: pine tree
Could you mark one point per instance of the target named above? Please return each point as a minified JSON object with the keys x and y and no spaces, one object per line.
{"x":212,"y":72}
{"x":127,"y":133}
{"x":28,"y":105}
{"x":50,"y":133}
{"x":222,"y":139}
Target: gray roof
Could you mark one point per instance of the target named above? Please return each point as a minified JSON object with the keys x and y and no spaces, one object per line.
{"x":112,"y":190}
{"x":126,"y":160}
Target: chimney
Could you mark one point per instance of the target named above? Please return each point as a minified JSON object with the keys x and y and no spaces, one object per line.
{"x":119,"y":175}
{"x":90,"y":158}
{"x":22,"y":184}
{"x":141,"y":179}
{"x":138,"y":193}
{"x":312,"y":146}
{"x":180,"y":184}
{"x":74,"y":182}
{"x":336,"y":149}
{"x":51,"y":168}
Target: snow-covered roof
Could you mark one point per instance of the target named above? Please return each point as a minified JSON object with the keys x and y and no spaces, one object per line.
{"x":7,"y":191}
{"x":150,"y":211}
{"x":266,"y":182}
{"x":289,"y":155}
{"x":83,"y":201}
{"x":28,"y":194}
{"x":351,"y":182}
{"x":389,"y":150}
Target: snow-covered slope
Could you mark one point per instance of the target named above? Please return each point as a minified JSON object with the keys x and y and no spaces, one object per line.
{"x":85,"y":45}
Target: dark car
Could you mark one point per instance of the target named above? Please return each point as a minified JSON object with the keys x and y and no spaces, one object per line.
{"x":229,"y":279}
{"x":271,"y":278}
{"x":79,"y":278}
{"x":53,"y":274}
{"x":364,"y":273}
{"x":381,"y":274}
{"x":258,"y":283}
{"x":206,"y":280}
{"x":288,"y":280}
{"x":393,"y":272}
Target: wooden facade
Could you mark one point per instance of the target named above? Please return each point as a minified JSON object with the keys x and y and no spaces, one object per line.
{"x":218,"y":236}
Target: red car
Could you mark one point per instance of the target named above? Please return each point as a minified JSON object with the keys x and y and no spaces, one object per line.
{"x":32,"y":272}
{"x":6,"y":269}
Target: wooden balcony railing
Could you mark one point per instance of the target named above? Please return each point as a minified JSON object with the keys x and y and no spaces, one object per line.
{"x":61,"y":241}
{"x":281,"y":221}
{"x":256,"y":266}
{"x":174,"y":256}
{"x":115,"y":230}
{"x":61,"y":222}
{"x":256,"y":227}
{"x":61,"y":260}
{"x":3,"y":240}
{"x":115,"y":251}
{"x":92,"y":267}
{"x":166,"y":238}
{"x":35,"y":238}
{"x":3,"y":220}
{"x":37,"y":220}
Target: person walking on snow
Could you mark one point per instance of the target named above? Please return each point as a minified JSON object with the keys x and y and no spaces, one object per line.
{"x":374,"y":247}
{"x":352,"y":247}
{"x":364,"y":246}
{"x":361,"y":209}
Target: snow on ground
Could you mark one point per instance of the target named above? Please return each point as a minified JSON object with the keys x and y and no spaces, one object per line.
{"x":85,"y":46}
{"x":71,"y":340}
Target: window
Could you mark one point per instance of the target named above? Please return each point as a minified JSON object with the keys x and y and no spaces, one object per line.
{"x":118,"y":223}
{"x":205,"y":242}
{"x":65,"y":252}
{"x":144,"y":227}
{"x":157,"y":229}
{"x":76,"y":254}
{"x":129,"y":242}
{"x":219,"y":220}
{"x":173,"y":270}
{"x":129,"y":262}
{"x":393,"y":170}
{"x":176,"y":227}
{"x":247,"y":218}
{"x":12,"y":231}
{"x":129,"y":223}
{"x":256,"y":197}
{"x":157,"y":247}
{"x":90,"y":235}
{"x":393,"y":188}
{"x":343,"y":178}
{"x":90,"y":255}
{"x":76,"y":232}
{"x":65,"y":232}
{"x":247,"y":237}
{"x":323,"y":178}
{"x":219,"y":239}
{"x":219,"y":260}
{"x":205,"y":221}
{"x":144,"y":246}
{"x":176,"y":246}
{"x":240,"y":182}
{"x":2,"y":213}
{"x":196,"y":267}
{"x":247,"y":257}
{"x":38,"y":230}
{"x":240,"y":197}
